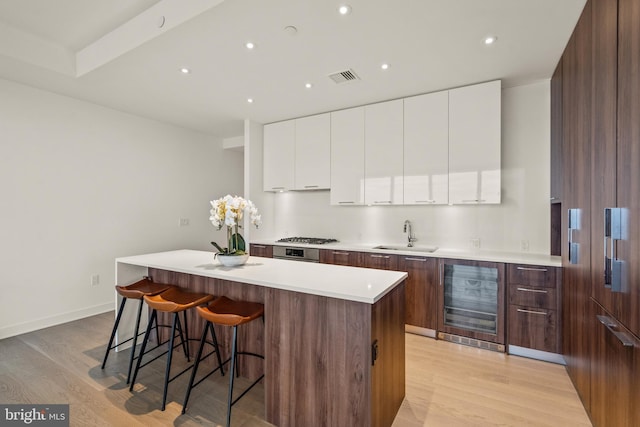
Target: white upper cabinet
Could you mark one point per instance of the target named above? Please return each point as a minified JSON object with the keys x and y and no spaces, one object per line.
{"x":474,"y":144}
{"x":347,"y":157}
{"x":426,"y":149}
{"x":313,"y":152}
{"x":384,"y":153}
{"x":279,"y":156}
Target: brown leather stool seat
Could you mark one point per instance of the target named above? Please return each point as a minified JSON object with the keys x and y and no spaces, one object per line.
{"x":137,"y":290}
{"x":227,"y":312}
{"x":174,"y":300}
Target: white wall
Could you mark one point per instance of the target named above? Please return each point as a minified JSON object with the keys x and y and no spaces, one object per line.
{"x":522,"y":215}
{"x":82,"y":185}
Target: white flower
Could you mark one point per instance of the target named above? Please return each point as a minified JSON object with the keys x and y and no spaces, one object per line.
{"x":229,"y":211}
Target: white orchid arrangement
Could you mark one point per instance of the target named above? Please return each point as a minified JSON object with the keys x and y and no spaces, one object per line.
{"x":229,"y":210}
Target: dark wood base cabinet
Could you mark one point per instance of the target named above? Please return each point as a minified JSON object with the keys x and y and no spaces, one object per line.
{"x":533,"y":317}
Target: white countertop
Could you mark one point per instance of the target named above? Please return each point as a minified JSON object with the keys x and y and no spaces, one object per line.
{"x":347,"y":283}
{"x":479,"y":255}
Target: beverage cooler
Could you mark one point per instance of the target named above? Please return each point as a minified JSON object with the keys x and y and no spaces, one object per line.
{"x":471,"y":303}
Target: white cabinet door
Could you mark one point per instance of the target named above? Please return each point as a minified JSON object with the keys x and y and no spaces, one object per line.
{"x":384,"y":153}
{"x":426,"y":149}
{"x":474,"y":144}
{"x":279,"y":156}
{"x":347,"y":157}
{"x":313,"y":152}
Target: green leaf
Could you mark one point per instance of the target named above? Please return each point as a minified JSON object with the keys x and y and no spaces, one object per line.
{"x":237,"y":243}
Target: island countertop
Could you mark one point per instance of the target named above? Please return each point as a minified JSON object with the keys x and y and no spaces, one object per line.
{"x":347,"y":283}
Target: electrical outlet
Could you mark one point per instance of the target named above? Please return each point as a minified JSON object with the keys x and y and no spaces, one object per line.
{"x":524,"y":245}
{"x":474,"y":243}
{"x":183,"y":222}
{"x":95,"y":280}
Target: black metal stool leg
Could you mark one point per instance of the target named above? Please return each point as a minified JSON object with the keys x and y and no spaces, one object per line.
{"x":113,"y":331}
{"x":195,"y":366}
{"x":169,"y":357}
{"x":231,"y":376}
{"x":154,"y":315}
{"x":185,"y":343}
{"x":135,"y":341}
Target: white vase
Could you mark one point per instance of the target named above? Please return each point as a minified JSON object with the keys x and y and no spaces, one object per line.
{"x":232,"y":260}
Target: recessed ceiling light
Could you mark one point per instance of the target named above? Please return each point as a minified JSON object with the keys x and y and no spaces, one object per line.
{"x":344,"y":9}
{"x":385,"y":66}
{"x":250,"y":100}
{"x":185,"y":70}
{"x":490,"y":40}
{"x":250,"y":45}
{"x":308,"y":85}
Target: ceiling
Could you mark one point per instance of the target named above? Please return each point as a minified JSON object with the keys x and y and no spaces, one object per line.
{"x":123,"y":54}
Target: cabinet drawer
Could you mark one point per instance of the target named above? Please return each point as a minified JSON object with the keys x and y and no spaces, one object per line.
{"x":534,"y":328}
{"x":532,"y":275}
{"x":532,"y":296}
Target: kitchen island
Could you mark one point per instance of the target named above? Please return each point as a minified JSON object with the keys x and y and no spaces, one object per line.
{"x":333,"y":336}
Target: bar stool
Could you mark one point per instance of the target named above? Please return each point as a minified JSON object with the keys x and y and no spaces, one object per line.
{"x":134,"y":291}
{"x":227,"y":312}
{"x":176,"y":301}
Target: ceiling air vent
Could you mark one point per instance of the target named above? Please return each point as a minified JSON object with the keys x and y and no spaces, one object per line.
{"x":344,"y":76}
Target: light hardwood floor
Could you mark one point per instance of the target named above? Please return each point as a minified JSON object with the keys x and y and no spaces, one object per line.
{"x":447,"y":385}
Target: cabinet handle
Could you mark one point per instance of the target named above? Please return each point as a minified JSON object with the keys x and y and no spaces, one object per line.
{"x":520,"y":310}
{"x":614,"y":221}
{"x":473,"y":201}
{"x":346,"y":203}
{"x":573,"y":224}
{"x":259,"y":246}
{"x":531,"y":269}
{"x":340,"y":253}
{"x":610,"y":324}
{"x":425,"y":201}
{"x":382,"y":202}
{"x":381,"y":256}
{"x":310,"y":186}
{"x":277,"y":188}
{"x":533,"y":290}
{"x":416,"y":259}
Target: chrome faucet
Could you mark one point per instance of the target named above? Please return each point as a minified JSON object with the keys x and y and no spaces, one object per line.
{"x":410,"y":237}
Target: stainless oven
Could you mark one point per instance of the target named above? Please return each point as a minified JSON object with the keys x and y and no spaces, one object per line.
{"x":296,"y":253}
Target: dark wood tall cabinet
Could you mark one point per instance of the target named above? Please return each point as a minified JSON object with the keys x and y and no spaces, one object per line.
{"x":555,"y":190}
{"x":600,"y":106}
{"x":627,"y":303}
{"x":576,"y":155}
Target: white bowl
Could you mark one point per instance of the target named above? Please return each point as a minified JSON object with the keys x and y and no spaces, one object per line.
{"x":232,"y":260}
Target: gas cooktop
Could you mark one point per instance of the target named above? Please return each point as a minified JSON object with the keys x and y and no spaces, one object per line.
{"x":307,"y":240}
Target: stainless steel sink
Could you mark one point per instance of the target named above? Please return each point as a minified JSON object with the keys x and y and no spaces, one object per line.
{"x":407,"y":248}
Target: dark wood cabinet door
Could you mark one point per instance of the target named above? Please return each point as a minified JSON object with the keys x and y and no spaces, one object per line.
{"x":533,"y":327}
{"x":576,"y":150}
{"x":380,"y":261}
{"x":261,"y":250}
{"x":420,"y":290}
{"x":615,"y":372}
{"x":556,"y":135}
{"x":628,"y":249}
{"x":339,"y":257}
{"x":604,"y":135}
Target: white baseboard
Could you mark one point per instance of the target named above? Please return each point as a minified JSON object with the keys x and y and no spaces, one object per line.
{"x":45,"y":322}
